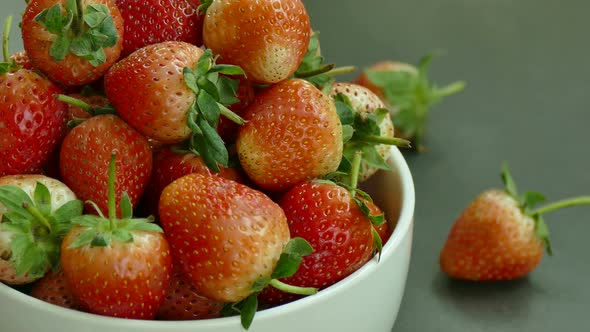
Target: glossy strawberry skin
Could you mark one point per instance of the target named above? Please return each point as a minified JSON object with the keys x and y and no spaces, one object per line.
{"x":224,"y":235}
{"x":292,"y":134}
{"x":32,"y":121}
{"x":153,"y":21}
{"x":491,"y":240}
{"x":54,"y":289}
{"x":73,"y":70}
{"x":268,"y":38}
{"x":85,"y":155}
{"x":183,"y":302}
{"x":148,"y":91}
{"x":169,"y":166}
{"x":326,"y":216}
{"x":126,"y":280}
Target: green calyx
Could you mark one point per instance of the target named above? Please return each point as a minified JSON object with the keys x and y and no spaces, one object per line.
{"x":204,"y":5}
{"x":84,"y":31}
{"x":413,"y":94}
{"x":8,"y":65}
{"x":362,"y":133}
{"x":214,"y":93}
{"x":100,"y":230}
{"x":36,"y":229}
{"x":314,"y":69}
{"x":529,"y":200}
{"x":287,"y":265}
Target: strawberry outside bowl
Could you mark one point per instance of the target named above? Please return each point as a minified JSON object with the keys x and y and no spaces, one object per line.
{"x":367,"y":300}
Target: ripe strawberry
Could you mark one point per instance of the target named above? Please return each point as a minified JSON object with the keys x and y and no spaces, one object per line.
{"x":408,"y":94}
{"x":183,"y":302}
{"x":499,"y":236}
{"x":54,"y":289}
{"x":117,"y":266}
{"x":154,"y":21}
{"x":172,"y":92}
{"x":268,"y":38}
{"x":72,"y":42}
{"x":84,"y":159}
{"x":35,"y":213}
{"x":22,"y":60}
{"x":292,"y":134}
{"x":171,"y":163}
{"x":371,"y":129}
{"x":228,"y":239}
{"x":340,"y":232}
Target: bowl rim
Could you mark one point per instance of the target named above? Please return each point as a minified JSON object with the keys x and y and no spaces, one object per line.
{"x":401,"y":230}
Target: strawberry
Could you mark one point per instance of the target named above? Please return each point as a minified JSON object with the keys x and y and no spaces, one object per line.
{"x":153,"y":21}
{"x":292,"y":134}
{"x":268,"y":38}
{"x":171,"y":163}
{"x":408,"y":94}
{"x":35,"y":213}
{"x":339,"y":227}
{"x":84,"y":158}
{"x":22,"y":60}
{"x":54,"y":289}
{"x":32,"y":122}
{"x":369,"y":127}
{"x":172,"y":92}
{"x":228,"y":239}
{"x":500,"y":235}
{"x":117,"y":266}
{"x":183,"y":302}
{"x":73,"y":42}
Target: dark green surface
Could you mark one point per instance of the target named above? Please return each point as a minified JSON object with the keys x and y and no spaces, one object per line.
{"x":526,"y":102}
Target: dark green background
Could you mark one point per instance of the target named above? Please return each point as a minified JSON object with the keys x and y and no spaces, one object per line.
{"x":526,"y":102}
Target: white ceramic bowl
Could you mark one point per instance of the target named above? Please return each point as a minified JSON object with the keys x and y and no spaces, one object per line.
{"x":367,"y":300}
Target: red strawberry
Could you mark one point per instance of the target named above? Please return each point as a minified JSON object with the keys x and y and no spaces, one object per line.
{"x":228,"y":239}
{"x":35,"y":213}
{"x":183,"y":302}
{"x":85,"y":153}
{"x":22,"y":60}
{"x":341,"y":234}
{"x":292,"y":134}
{"x":153,"y":21}
{"x":54,"y":289}
{"x":499,"y":236}
{"x":117,"y":267}
{"x":171,"y":92}
{"x":72,"y":42}
{"x":170,"y":164}
{"x":268,"y":38}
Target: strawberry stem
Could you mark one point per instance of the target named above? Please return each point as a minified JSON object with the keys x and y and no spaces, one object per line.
{"x":385,"y":140}
{"x":75,"y":102}
{"x":37,"y":214}
{"x":354,"y":171}
{"x":448,"y":90}
{"x":5,"y":38}
{"x":292,"y":289}
{"x":341,"y":70}
{"x":582,"y":200}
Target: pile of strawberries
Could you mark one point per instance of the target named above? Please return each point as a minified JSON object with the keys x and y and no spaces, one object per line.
{"x":184,"y":160}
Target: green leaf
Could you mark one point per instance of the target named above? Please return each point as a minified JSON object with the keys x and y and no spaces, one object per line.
{"x":94,"y":15}
{"x":13,"y":198}
{"x":397,"y":82}
{"x":228,"y":70}
{"x":372,"y":157}
{"x":123,"y":235}
{"x":347,"y":133}
{"x":144,"y":225}
{"x":17,"y":218}
{"x":377,"y":241}
{"x":42,"y":199}
{"x":51,"y":19}
{"x":204,"y":63}
{"x":509,"y":183}
{"x":86,"y":237}
{"x":291,"y":258}
{"x":530,"y":199}
{"x":298,"y":246}
{"x":126,"y":207}
{"x":344,"y":109}
{"x":407,"y":120}
{"x":88,"y":220}
{"x":190,"y":79}
{"x":260,"y":284}
{"x":227,"y":88}
{"x":542,"y":232}
{"x":209,"y":108}
{"x":60,"y":48}
{"x":248,"y":310}
{"x":101,"y":240}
